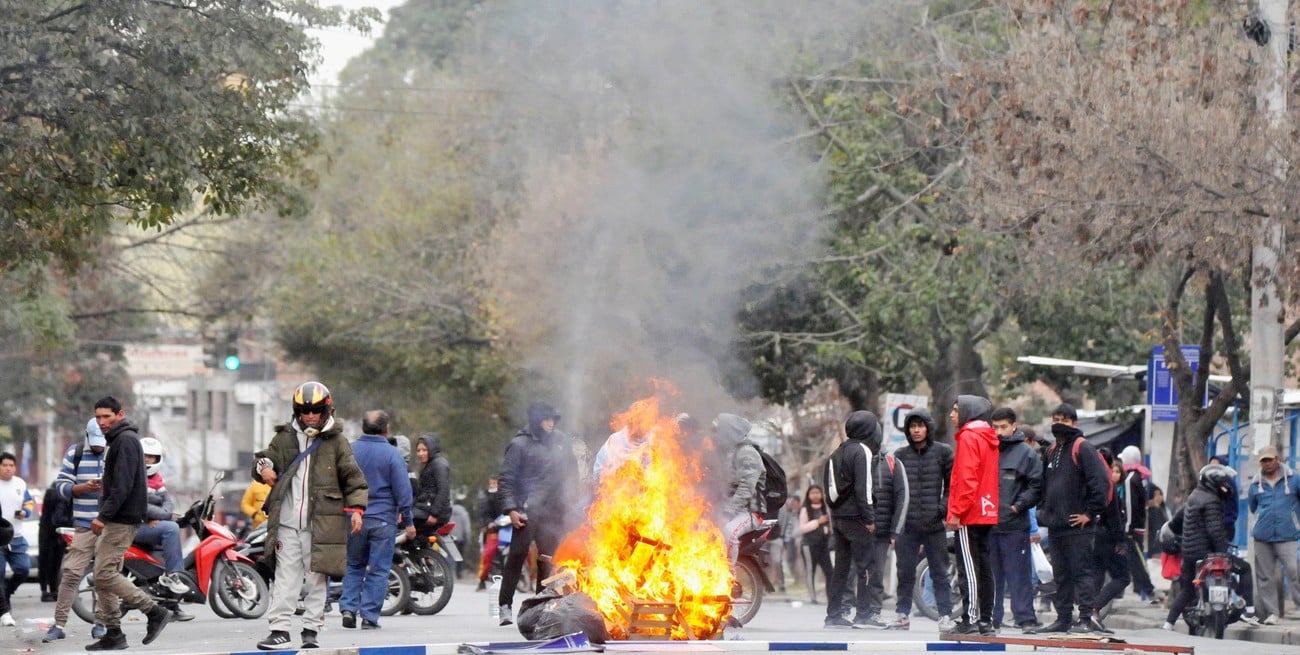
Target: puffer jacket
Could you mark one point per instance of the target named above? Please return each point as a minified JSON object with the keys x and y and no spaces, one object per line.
{"x":539,"y":473}
{"x":745,"y":466}
{"x":928,"y":467}
{"x":1276,"y":507}
{"x":433,"y":492}
{"x":1020,"y":483}
{"x":317,"y":500}
{"x":888,"y":478}
{"x":1204,"y":531}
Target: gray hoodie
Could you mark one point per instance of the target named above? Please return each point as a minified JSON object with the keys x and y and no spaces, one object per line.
{"x":745,"y":465}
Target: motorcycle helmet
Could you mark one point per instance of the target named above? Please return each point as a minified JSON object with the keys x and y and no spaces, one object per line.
{"x":312,"y":396}
{"x":152,"y":446}
{"x":6,"y":532}
{"x":1218,"y":479}
{"x":1170,"y":541}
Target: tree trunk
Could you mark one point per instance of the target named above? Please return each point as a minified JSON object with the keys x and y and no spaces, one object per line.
{"x":959,"y":370}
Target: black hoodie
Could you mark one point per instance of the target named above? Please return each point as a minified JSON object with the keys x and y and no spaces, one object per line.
{"x":433,"y":493}
{"x":1020,"y":482}
{"x":540,"y":471}
{"x":850,"y":489}
{"x":125,"y":497}
{"x":928,"y":467}
{"x":1073,"y":484}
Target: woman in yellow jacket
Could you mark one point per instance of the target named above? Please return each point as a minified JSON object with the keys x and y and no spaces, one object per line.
{"x":254,"y":498}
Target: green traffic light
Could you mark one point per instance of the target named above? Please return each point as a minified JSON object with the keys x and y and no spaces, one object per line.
{"x":232,"y":362}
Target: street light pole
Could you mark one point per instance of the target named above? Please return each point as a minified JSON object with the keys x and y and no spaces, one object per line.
{"x":1267,"y":315}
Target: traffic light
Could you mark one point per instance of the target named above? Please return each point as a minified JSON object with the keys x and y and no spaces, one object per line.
{"x":229,"y":351}
{"x":210,"y":354}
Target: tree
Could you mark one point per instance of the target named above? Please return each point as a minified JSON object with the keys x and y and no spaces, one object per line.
{"x":1126,"y":134}
{"x":132,"y":111}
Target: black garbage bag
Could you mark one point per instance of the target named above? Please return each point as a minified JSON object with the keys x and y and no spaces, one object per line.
{"x":549,"y":615}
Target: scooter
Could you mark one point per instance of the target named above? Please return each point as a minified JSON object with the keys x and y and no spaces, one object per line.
{"x":752,"y":564}
{"x":214,"y":571}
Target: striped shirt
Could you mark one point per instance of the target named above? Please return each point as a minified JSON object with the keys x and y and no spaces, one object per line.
{"x":86,"y":506}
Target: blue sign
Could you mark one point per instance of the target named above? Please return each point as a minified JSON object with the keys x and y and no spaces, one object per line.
{"x":1161,"y":395}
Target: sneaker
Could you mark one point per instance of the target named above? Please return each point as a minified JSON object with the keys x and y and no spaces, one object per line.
{"x":1062,"y":624}
{"x":181,"y":615}
{"x":7,"y":619}
{"x":49,"y":597}
{"x":1089,"y":625}
{"x":112,"y":640}
{"x":946,"y":624}
{"x":900,"y":622}
{"x":837,"y":622}
{"x":309,"y":639}
{"x":986,"y":629}
{"x":872,"y":622}
{"x":1250,"y":619}
{"x":367,"y":624}
{"x":277,"y":640}
{"x":174,"y":583}
{"x":1167,"y":626}
{"x":349,"y":620}
{"x":1271,"y":619}
{"x":1029,"y":627}
{"x":55,"y":633}
{"x":159,"y":616}
{"x":97,"y":631}
{"x":506,"y":617}
{"x":964,"y":627}
{"x":481,"y":586}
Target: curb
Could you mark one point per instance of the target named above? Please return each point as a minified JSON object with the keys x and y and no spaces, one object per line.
{"x":1128,"y":619}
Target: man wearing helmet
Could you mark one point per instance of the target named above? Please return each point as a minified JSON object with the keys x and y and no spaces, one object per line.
{"x":159,"y":529}
{"x":318,"y":495}
{"x":1205,"y":531}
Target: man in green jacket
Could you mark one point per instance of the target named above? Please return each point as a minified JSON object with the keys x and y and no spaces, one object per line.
{"x":318,"y":494}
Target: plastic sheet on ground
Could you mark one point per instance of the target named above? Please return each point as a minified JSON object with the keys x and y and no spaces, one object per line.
{"x":550,"y":615}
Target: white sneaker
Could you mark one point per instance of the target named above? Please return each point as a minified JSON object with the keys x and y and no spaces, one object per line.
{"x":1167,"y":626}
{"x":946,"y":624}
{"x":1271,"y":620}
{"x":174,"y":583}
{"x":7,"y":619}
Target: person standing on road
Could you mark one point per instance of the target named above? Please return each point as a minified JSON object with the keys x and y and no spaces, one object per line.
{"x":123,"y":502}
{"x":388,"y":507}
{"x":16,"y":505}
{"x":1076,"y":489}
{"x":928,"y":465}
{"x":489,"y":508}
{"x":318,"y":496}
{"x":889,"y":486}
{"x":79,"y":482}
{"x":1020,"y":486}
{"x":815,"y":537}
{"x":1111,"y":547}
{"x":1132,"y":491}
{"x":1274,"y":497}
{"x":973,"y":509}
{"x":850,"y":492}
{"x":539,"y":484}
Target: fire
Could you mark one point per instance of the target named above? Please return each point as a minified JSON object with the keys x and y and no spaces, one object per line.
{"x":649,"y":536}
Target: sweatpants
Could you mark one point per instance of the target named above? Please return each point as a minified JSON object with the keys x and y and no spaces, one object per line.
{"x":975,"y":573}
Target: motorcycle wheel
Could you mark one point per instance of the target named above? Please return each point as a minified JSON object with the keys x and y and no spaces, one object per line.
{"x":431,"y":587}
{"x":747,"y":595}
{"x":83,"y":604}
{"x":1218,"y":621}
{"x":399,"y":592}
{"x":241,"y":589}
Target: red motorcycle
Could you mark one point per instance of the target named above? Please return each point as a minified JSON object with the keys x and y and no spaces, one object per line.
{"x":215,"y":572}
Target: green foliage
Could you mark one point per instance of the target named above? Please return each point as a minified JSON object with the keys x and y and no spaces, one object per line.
{"x":132,"y":110}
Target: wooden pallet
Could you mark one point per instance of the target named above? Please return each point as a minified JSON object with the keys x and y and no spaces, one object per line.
{"x":1084,"y":642}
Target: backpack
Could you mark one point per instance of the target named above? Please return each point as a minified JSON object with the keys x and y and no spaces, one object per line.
{"x":773,"y":489}
{"x":1074,"y":455}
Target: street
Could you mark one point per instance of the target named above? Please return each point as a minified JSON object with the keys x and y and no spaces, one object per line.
{"x":466,"y":620}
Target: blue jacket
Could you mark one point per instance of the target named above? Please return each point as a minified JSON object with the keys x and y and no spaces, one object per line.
{"x":390,"y":488}
{"x":1277,"y":508}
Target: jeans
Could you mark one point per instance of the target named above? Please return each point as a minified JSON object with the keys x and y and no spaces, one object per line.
{"x":165,"y":536}
{"x":907,"y":547}
{"x":15,"y":556}
{"x":1012,"y":569}
{"x":370,"y":558}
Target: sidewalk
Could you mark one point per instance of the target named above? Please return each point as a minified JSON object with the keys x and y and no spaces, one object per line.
{"x":1131,"y":614}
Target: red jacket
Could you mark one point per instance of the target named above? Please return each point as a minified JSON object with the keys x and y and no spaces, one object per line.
{"x":973,"y":489}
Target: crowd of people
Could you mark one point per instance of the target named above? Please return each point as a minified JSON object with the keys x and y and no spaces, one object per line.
{"x":976,"y":509}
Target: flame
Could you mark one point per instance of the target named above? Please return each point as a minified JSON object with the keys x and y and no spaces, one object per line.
{"x":649,"y":536}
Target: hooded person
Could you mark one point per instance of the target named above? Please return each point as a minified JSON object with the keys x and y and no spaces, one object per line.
{"x":850,"y":492}
{"x":538,"y":485}
{"x":973,"y":509}
{"x":1132,"y":492}
{"x":743,"y":506}
{"x":927,"y":463}
{"x":433,"y":488}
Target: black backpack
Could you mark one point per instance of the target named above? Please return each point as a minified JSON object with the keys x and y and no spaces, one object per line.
{"x":773,"y":489}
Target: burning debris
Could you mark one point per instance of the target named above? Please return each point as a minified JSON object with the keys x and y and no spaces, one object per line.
{"x":650,"y":557}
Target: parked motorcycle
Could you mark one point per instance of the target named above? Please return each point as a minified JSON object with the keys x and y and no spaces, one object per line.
{"x":1217,"y":603}
{"x":214,"y":571}
{"x":752,"y":565}
{"x":429,"y":565}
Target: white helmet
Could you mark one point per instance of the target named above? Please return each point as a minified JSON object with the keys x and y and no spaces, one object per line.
{"x":153,"y":447}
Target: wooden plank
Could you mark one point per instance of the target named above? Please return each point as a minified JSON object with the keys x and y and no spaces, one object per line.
{"x":1071,"y":641}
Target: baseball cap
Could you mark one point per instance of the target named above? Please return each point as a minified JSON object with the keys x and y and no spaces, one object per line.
{"x":94,"y":436}
{"x":1267,"y":452}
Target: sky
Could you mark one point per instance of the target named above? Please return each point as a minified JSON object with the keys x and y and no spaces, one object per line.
{"x":339,"y":45}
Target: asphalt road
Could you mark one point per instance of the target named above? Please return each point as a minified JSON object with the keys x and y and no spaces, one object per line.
{"x":466,"y":620}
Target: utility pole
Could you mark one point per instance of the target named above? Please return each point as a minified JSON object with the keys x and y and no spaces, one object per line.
{"x":1267,"y":315}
